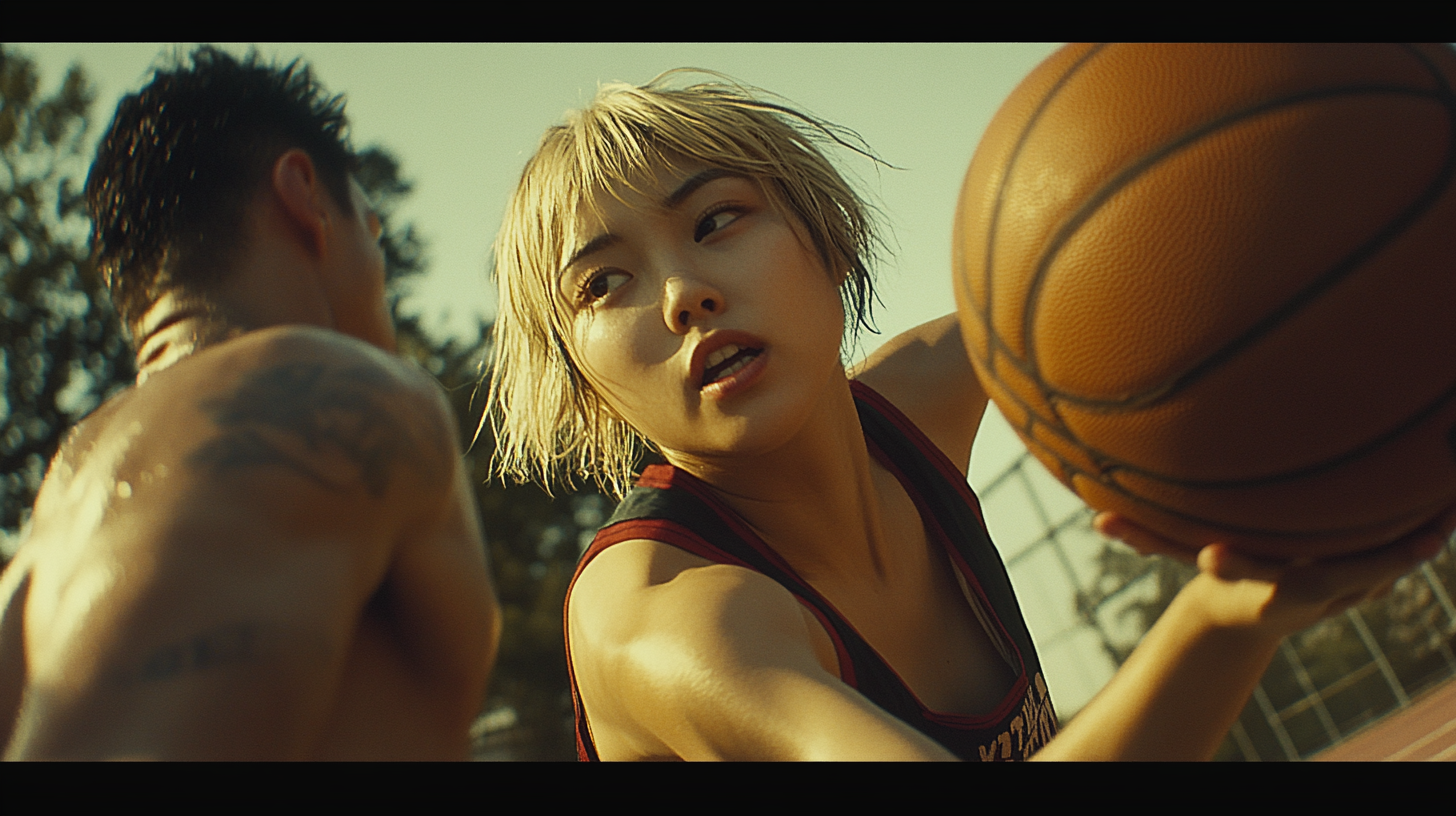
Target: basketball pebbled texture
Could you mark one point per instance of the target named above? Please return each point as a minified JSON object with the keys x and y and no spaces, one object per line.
{"x":1213,"y":287}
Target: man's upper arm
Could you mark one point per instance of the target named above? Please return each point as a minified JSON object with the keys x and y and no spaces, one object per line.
{"x":716,"y":663}
{"x":926,"y":373}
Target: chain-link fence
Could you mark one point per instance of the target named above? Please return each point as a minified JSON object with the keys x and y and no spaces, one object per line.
{"x":1088,"y":601}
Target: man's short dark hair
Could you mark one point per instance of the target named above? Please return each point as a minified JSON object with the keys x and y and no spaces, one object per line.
{"x":183,"y":158}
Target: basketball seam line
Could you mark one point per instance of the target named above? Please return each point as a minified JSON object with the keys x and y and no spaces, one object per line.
{"x":1153,"y":395}
{"x":1108,"y":464}
{"x":1352,"y":261}
{"x":994,"y":341}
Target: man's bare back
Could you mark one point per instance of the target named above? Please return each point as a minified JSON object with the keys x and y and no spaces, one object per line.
{"x":267,"y":549}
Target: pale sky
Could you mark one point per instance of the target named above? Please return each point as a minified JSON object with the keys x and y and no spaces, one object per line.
{"x":463,"y":119}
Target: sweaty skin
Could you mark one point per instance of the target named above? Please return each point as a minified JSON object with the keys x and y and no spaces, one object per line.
{"x":266,"y":550}
{"x":754,"y":674}
{"x":677,"y":657}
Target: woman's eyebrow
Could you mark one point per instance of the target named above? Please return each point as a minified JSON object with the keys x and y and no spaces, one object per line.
{"x":594,"y":245}
{"x":691,"y":185}
{"x":694,"y":182}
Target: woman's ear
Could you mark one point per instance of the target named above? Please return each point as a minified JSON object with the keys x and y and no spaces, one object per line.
{"x":298,"y":191}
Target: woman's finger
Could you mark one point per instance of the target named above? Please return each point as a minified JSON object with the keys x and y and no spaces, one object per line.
{"x":1146,"y":542}
{"x":1362,"y":575}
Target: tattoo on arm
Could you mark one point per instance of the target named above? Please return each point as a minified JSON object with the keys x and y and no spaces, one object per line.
{"x":289,"y":413}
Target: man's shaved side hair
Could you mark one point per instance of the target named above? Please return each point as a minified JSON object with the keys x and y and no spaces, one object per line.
{"x":183,"y":158}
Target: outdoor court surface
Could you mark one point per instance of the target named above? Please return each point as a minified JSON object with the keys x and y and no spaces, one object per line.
{"x":1426,"y":731}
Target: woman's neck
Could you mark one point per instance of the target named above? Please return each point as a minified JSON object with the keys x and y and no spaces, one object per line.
{"x":816,"y":500}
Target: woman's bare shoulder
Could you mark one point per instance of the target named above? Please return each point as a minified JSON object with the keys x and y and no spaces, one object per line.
{"x":926,"y":374}
{"x":643,"y":586}
{"x":662,"y":641}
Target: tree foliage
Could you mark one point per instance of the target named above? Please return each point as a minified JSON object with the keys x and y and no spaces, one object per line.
{"x":64,"y":352}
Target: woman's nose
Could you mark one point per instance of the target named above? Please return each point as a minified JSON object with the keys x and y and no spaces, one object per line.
{"x":687,"y":302}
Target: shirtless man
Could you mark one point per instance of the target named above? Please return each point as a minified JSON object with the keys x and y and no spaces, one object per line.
{"x":267,"y":548}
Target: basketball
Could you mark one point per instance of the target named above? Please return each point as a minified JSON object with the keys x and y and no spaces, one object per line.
{"x":1213,"y":287}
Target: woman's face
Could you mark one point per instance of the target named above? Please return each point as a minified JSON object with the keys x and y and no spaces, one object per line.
{"x":701,"y":314}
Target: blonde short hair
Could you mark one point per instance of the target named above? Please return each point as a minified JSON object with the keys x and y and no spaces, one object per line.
{"x":550,"y":424}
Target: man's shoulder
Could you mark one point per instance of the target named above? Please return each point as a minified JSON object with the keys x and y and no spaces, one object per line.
{"x":311,"y":379}
{"x":308,"y":392}
{"x":285,"y":410}
{"x":322,"y":348}
{"x":296,"y":431}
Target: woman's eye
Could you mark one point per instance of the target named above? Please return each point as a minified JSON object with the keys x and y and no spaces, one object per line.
{"x":601,"y":284}
{"x":713,"y":222}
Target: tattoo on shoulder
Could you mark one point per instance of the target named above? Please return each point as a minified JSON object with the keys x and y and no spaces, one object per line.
{"x":299,"y":414}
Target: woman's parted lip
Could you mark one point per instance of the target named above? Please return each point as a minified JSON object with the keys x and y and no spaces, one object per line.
{"x":713,"y":342}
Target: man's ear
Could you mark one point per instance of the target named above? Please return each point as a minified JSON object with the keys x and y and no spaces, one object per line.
{"x":299,"y":192}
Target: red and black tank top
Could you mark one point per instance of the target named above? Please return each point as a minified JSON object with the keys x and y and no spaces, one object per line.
{"x":671,"y":506}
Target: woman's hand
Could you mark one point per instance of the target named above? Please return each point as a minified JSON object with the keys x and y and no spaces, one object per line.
{"x":1285,"y":598}
{"x":1191,"y":675}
